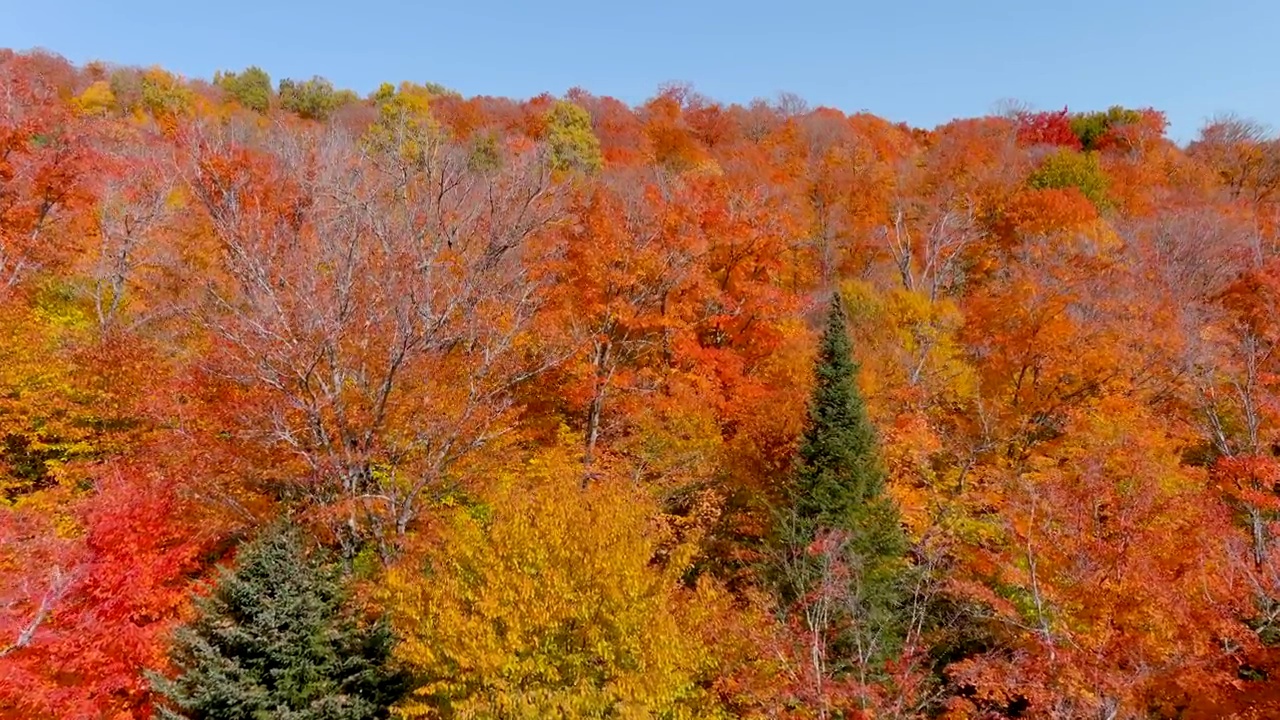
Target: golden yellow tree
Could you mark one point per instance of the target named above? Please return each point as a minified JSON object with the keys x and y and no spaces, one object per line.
{"x":546,"y":601}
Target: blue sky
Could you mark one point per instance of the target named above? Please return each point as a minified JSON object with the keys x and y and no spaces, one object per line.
{"x":918,"y":61}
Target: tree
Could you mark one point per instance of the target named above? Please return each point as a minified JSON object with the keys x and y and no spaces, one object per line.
{"x":313,"y":99}
{"x":843,"y":546}
{"x":573,"y":145}
{"x":276,"y":639}
{"x":387,"y":345}
{"x":97,"y":99}
{"x":549,"y":600}
{"x":90,"y":587}
{"x":251,"y":88}
{"x":1111,"y":594}
{"x":45,"y":173}
{"x":1067,"y":342}
{"x":1070,"y":169}
{"x":1092,"y":128}
{"x":1046,"y":128}
{"x":1244,"y":155}
{"x":840,"y":478}
{"x":164,"y":95}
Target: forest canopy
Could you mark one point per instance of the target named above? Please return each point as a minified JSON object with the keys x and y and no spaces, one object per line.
{"x":321,"y":405}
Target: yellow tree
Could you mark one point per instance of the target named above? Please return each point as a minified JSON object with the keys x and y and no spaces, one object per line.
{"x":549,"y":600}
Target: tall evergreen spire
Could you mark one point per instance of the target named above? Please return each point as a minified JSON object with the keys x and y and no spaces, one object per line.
{"x":839,"y":470}
{"x":839,"y":485}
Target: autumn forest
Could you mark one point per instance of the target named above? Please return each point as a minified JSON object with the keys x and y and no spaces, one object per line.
{"x":327,"y":406}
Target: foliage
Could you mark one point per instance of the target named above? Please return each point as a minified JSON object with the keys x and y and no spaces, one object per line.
{"x":1243,"y":154}
{"x":839,"y":508}
{"x":91,"y":585}
{"x":1068,"y":169}
{"x":250,"y":87}
{"x":274,"y":637}
{"x":1092,"y":128}
{"x":374,"y":314}
{"x":404,"y":126}
{"x":545,"y":600}
{"x":1086,"y":131}
{"x":164,"y":95}
{"x":573,"y":144}
{"x":313,"y":99}
{"x":126,"y":85}
{"x":1048,"y":128}
{"x":1103,"y":534}
{"x":97,"y":99}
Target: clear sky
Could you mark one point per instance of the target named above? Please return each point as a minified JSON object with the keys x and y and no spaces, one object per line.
{"x":918,"y":61}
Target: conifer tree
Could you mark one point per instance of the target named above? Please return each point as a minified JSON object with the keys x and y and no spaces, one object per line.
{"x":275,"y":639}
{"x":839,"y":487}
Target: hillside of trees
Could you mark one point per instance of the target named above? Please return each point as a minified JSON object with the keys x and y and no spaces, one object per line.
{"x":316,"y":405}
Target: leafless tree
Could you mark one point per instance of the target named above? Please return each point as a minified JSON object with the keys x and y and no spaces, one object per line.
{"x":135,"y":205}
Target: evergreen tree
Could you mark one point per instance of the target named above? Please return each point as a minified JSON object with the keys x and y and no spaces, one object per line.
{"x":839,"y":486}
{"x":274,"y":640}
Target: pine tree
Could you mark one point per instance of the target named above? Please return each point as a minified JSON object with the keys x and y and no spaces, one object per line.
{"x":839,"y":486}
{"x":840,"y":479}
{"x":274,"y":639}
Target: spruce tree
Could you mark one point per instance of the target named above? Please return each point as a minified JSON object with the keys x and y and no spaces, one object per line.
{"x":839,"y":485}
{"x":275,"y":640}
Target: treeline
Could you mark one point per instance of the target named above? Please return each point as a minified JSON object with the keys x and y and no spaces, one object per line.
{"x":315,"y":405}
